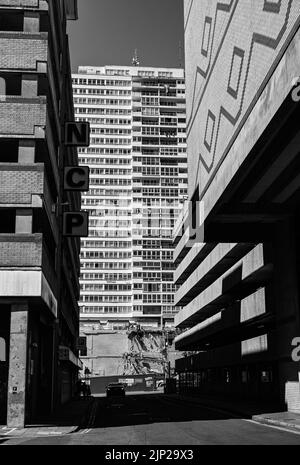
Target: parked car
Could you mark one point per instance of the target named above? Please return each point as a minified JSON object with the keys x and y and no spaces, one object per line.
{"x":160,"y":384}
{"x":115,"y":390}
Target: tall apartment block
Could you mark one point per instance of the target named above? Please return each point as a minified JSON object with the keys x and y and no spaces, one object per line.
{"x":138,"y":182}
{"x":39,"y":269}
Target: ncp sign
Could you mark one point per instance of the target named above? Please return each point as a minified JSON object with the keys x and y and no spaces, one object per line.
{"x":76,"y":224}
{"x":76,"y":178}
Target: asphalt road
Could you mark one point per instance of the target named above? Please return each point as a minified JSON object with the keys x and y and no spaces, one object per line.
{"x":160,"y":420}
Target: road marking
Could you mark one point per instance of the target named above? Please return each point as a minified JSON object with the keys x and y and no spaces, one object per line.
{"x":47,"y":433}
{"x":85,"y":431}
{"x":8,"y":432}
{"x":281,"y":428}
{"x":92,"y":418}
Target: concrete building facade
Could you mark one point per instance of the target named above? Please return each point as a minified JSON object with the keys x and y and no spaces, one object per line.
{"x":138,"y":180}
{"x":39,"y":269}
{"x":237,"y":254}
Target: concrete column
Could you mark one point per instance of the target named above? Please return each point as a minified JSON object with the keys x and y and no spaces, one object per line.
{"x":29,"y":85}
{"x":26,"y":152}
{"x":31,"y":22}
{"x":17,"y":366}
{"x":23,"y":221}
{"x":2,"y":86}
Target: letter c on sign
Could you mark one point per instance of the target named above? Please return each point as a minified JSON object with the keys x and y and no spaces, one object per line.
{"x":76,"y":178}
{"x":71,"y":178}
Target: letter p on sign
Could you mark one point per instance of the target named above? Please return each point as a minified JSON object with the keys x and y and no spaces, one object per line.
{"x":76,"y":224}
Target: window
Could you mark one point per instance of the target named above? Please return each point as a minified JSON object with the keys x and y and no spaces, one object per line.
{"x":9,"y":150}
{"x":11,"y":21}
{"x":146,"y":73}
{"x":2,"y":350}
{"x":266,"y":375}
{"x":8,"y":220}
{"x":227,"y":376}
{"x":165,"y":74}
{"x":245,"y":376}
{"x":2,"y":86}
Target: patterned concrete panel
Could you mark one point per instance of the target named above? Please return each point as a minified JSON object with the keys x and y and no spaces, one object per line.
{"x":232,"y":49}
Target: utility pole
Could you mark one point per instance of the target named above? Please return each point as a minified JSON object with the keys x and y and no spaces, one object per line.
{"x":92,"y":354}
{"x":165,"y":349}
{"x":180,"y":54}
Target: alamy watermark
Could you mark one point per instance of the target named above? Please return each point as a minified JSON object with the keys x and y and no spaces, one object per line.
{"x":149,"y":221}
{"x":296,"y":350}
{"x":296,"y":89}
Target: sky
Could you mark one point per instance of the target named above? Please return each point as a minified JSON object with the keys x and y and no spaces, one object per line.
{"x":108,"y":31}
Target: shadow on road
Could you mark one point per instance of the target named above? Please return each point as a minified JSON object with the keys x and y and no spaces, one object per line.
{"x":157,"y":408}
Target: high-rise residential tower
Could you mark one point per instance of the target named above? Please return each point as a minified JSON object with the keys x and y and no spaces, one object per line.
{"x":138,"y":182}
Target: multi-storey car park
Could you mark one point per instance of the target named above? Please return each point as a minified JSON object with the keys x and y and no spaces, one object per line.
{"x":138,"y":181}
{"x":239,"y":284}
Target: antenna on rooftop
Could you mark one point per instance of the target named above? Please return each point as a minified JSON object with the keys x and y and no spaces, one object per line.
{"x":180,"y":54}
{"x":135,"y":60}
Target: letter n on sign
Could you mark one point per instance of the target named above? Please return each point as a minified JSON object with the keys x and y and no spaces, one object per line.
{"x":76,"y":224}
{"x":77,"y":134}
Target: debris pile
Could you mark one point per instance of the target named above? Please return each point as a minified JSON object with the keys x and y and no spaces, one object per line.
{"x":147,"y":352}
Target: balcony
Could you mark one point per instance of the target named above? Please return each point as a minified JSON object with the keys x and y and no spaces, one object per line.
{"x":19,"y":250}
{"x":26,"y":186}
{"x":66,"y":355}
{"x":22,"y":116}
{"x":26,"y":4}
{"x":25,"y":251}
{"x":16,"y":50}
{"x":18,"y":183}
{"x":27,"y":268}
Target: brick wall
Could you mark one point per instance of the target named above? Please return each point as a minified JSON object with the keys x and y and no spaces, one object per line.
{"x":19,"y":183}
{"x":20,"y":3}
{"x":20,"y":115}
{"x":22,"y":51}
{"x":20,"y":252}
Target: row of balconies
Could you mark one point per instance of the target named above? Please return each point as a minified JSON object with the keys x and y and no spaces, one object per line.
{"x":204,"y":291}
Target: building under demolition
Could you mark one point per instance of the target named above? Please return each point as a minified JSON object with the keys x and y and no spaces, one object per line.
{"x":133,"y":352}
